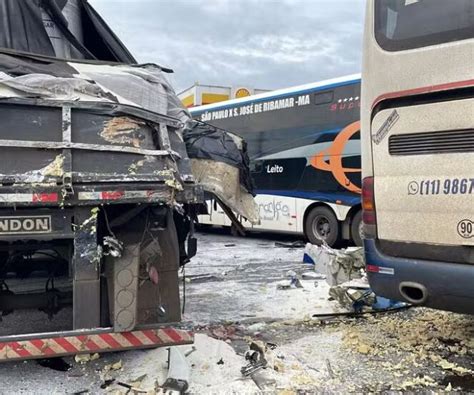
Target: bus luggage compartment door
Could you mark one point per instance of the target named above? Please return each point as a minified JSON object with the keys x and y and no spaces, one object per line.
{"x":423,"y":158}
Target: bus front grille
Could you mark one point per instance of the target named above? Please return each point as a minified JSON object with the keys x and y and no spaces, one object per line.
{"x":432,"y":142}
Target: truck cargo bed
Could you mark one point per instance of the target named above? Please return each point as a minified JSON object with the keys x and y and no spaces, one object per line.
{"x":65,"y":153}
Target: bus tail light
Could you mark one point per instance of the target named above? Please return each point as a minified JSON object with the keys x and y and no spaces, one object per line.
{"x":368,"y":207}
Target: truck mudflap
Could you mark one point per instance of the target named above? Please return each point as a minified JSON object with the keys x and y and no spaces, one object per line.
{"x":59,"y":344}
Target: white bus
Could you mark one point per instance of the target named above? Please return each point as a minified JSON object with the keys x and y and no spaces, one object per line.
{"x":304,"y":148}
{"x":418,"y":151}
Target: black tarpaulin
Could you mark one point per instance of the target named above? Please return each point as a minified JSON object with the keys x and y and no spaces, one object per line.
{"x":23,"y":29}
{"x":100,"y":39}
{"x":19,"y":64}
{"x":203,"y":141}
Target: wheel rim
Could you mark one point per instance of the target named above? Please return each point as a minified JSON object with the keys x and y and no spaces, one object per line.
{"x":321,"y":227}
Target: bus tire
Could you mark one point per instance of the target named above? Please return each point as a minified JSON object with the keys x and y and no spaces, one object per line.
{"x":356,"y":229}
{"x":322,"y":225}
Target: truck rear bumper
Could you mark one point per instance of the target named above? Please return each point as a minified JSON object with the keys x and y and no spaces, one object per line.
{"x":49,"y":345}
{"x":435,"y":284}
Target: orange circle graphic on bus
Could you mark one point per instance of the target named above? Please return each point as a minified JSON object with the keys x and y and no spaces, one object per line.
{"x":331,"y":158}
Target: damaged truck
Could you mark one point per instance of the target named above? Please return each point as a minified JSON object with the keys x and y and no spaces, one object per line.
{"x":97,"y":192}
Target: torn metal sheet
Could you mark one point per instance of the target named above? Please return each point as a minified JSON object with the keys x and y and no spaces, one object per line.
{"x":223,"y":180}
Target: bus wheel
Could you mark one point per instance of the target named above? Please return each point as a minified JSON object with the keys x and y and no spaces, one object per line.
{"x":322,"y":225}
{"x":357,"y":229}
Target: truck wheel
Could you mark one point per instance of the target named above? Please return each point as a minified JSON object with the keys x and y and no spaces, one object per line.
{"x":357,"y":229}
{"x":322,"y":225}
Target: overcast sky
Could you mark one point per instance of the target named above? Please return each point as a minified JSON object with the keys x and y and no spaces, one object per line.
{"x":264,"y":44}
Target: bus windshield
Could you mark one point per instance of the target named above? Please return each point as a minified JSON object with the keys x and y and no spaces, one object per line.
{"x":409,"y":24}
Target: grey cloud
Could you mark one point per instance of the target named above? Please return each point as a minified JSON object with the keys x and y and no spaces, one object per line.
{"x":265,"y":44}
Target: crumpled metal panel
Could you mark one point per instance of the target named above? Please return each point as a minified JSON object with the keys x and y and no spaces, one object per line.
{"x":223,"y":180}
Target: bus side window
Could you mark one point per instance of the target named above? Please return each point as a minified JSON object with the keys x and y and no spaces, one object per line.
{"x":323,"y":98}
{"x":256,"y":167}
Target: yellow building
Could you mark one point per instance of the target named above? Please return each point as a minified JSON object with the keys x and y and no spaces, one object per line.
{"x":199,"y":95}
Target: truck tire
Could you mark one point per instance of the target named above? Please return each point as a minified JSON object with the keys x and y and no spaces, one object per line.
{"x":356,"y":229}
{"x":322,"y":225}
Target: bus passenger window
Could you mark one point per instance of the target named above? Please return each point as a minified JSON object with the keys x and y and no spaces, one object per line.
{"x":324,"y":98}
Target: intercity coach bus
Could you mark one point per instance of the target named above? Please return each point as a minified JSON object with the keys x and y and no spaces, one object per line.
{"x":418,"y":151}
{"x":304,"y":148}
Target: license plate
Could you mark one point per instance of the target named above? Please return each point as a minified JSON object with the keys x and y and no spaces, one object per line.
{"x":25,"y":224}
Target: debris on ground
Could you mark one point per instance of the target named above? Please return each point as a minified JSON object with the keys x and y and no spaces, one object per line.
{"x":178,"y":371}
{"x":255,"y":357}
{"x":135,"y":386}
{"x":356,"y":300}
{"x":220,"y":332}
{"x":412,"y":350}
{"x":339,"y":266}
{"x":413,"y":344}
{"x":344,"y":271}
{"x":294,"y":244}
{"x":85,"y":358}
{"x":292,"y":282}
{"x":114,"y":366}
